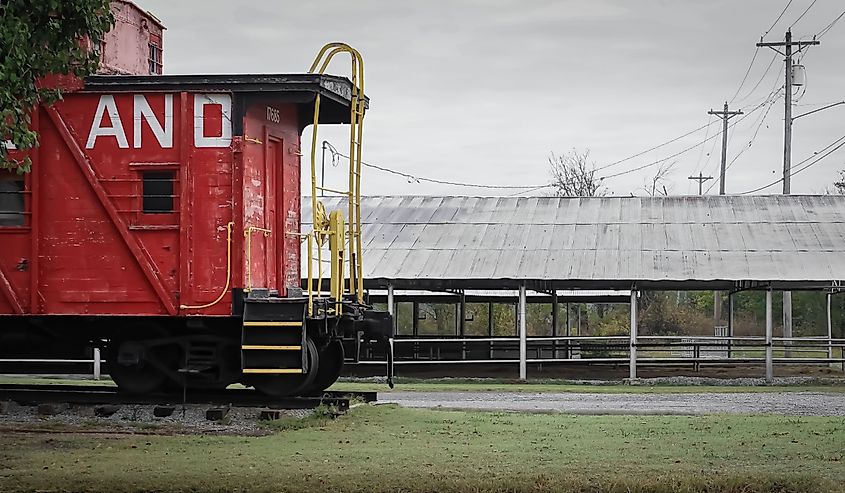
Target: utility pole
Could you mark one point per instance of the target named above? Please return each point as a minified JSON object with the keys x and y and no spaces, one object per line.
{"x":787,"y":45}
{"x":725,"y":115}
{"x":700,"y":179}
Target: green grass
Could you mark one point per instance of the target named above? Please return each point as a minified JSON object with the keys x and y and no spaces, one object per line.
{"x":29,"y":380}
{"x":385,"y":448}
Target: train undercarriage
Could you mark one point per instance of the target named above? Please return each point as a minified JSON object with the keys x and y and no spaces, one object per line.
{"x":271,"y":346}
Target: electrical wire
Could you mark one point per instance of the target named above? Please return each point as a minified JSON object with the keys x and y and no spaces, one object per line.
{"x":838,"y":143}
{"x":701,"y":154}
{"x":756,"y":52}
{"x":655,"y":147}
{"x":745,"y":77}
{"x":779,"y":18}
{"x":683,"y":151}
{"x":759,"y":125}
{"x":762,"y":78}
{"x":417,"y":179}
{"x":803,"y":14}
{"x":530,"y":190}
{"x":829,"y":26}
{"x":709,"y":156}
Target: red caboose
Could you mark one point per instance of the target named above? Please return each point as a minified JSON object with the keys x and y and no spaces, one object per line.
{"x":161,"y":219}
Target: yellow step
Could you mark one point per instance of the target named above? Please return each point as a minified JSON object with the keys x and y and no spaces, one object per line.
{"x":271,"y":371}
{"x":272,"y":324}
{"x":272,"y":348}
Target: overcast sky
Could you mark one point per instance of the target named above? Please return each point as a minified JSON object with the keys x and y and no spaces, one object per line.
{"x":482,"y":91}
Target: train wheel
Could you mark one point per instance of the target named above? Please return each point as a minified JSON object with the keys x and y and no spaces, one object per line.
{"x":130,"y":366}
{"x":331,"y":363}
{"x":295,"y":384}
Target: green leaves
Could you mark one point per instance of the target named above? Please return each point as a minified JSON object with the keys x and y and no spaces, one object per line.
{"x":38,"y":39}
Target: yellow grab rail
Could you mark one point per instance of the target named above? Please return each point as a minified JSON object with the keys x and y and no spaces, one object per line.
{"x":229,"y":228}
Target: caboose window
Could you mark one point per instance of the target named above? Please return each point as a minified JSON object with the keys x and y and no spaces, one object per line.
{"x":155,"y":61}
{"x":158,"y":191}
{"x":12,"y":204}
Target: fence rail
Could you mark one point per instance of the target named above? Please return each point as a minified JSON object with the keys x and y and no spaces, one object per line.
{"x":710,"y":350}
{"x":96,"y":362}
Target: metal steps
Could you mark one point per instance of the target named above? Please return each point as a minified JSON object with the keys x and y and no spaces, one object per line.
{"x":273,"y":336}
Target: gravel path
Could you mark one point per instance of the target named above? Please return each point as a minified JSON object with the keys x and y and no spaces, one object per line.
{"x":783,"y":403}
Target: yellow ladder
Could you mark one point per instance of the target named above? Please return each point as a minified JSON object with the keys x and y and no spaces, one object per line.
{"x":325,"y":228}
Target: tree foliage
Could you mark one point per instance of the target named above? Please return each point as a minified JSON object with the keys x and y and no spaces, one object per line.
{"x":574,"y":175}
{"x":39,"y":38}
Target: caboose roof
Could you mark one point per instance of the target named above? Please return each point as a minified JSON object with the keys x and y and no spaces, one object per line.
{"x":336,"y":92}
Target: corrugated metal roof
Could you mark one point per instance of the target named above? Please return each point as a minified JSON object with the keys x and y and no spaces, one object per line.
{"x":506,"y":295}
{"x":426,"y":242}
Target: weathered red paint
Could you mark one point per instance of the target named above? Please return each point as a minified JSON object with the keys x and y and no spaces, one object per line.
{"x":87,"y":247}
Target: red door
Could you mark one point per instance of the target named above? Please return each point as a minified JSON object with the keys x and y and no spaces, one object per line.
{"x":272,"y":172}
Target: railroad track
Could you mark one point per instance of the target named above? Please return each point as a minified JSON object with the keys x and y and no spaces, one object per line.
{"x":94,"y":394}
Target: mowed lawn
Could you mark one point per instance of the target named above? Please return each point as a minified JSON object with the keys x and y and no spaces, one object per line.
{"x":386,"y":448}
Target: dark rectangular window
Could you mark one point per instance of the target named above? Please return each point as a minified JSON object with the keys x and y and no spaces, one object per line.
{"x":12,"y":204}
{"x":158,"y":191}
{"x":155,"y":59}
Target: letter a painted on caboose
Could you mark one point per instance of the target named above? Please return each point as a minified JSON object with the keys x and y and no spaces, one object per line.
{"x":107,"y":104}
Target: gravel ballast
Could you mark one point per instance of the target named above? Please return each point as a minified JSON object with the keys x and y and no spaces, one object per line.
{"x":780,"y":403}
{"x":142,"y":419}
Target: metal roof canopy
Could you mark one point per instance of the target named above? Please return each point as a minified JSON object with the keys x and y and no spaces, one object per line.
{"x":504,"y":295}
{"x":545,"y":243}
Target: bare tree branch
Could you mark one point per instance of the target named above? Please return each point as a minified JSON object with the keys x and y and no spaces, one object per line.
{"x":656,"y":185}
{"x":574,"y":175}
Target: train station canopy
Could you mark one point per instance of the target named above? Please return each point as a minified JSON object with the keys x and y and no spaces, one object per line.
{"x":604,"y":243}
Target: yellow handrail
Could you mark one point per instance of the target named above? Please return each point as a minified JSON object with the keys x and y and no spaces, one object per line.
{"x":248,"y":235}
{"x":357,"y":108}
{"x":229,"y":228}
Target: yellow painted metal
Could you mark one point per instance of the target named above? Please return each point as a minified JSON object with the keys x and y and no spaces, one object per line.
{"x":273,"y":371}
{"x":248,"y":235}
{"x":357,"y":109}
{"x":336,"y":247}
{"x":225,"y":289}
{"x":311,"y":274}
{"x":271,"y":348}
{"x":272,"y":324}
{"x":332,"y":190}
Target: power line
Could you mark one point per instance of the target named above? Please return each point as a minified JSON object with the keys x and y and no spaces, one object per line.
{"x":838,"y":141}
{"x":418,"y":179}
{"x":701,"y":154}
{"x":530,"y":190}
{"x":779,"y":18}
{"x":756,"y":52}
{"x":830,"y":26}
{"x":745,"y":77}
{"x":655,"y":147}
{"x":709,"y":156}
{"x":759,"y":124}
{"x":803,"y":14}
{"x":683,"y":151}
{"x":762,"y":78}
